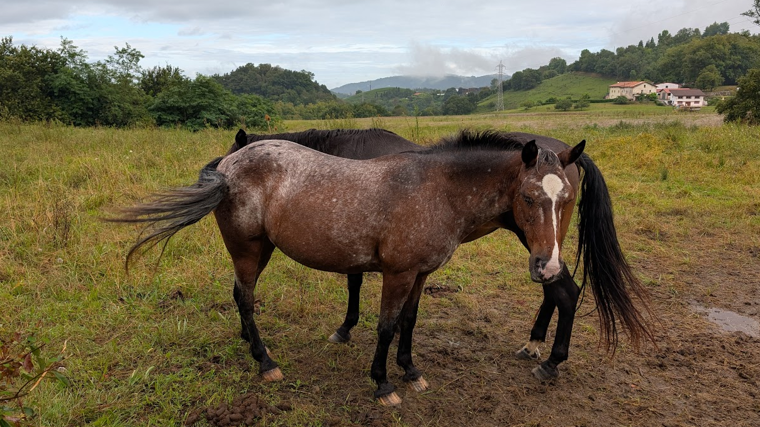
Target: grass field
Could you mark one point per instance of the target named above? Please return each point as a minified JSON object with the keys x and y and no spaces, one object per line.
{"x":573,"y":85}
{"x":149,"y":347}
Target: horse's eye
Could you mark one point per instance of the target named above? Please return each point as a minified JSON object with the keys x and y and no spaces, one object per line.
{"x":528,"y":200}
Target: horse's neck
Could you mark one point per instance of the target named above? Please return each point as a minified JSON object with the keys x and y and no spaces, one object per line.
{"x":484,"y":183}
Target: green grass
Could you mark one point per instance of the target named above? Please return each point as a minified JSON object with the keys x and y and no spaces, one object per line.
{"x":139,"y":354}
{"x":376,"y":95}
{"x":573,"y":85}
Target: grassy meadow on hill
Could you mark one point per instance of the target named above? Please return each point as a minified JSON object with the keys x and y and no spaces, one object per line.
{"x":573,"y":85}
{"x":162,"y":343}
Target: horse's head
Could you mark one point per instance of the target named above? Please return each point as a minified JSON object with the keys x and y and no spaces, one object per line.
{"x":543,"y":205}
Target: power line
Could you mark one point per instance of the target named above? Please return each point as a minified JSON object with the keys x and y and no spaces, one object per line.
{"x":649,"y":23}
{"x":500,"y":96}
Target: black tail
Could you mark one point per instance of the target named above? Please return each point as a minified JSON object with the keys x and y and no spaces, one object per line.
{"x":604,"y":265}
{"x":168,"y":212}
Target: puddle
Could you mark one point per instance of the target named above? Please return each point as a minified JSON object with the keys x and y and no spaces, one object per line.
{"x":730,"y":321}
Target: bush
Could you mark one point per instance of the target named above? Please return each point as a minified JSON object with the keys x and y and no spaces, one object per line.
{"x":563,"y":104}
{"x":745,"y":106}
{"x":621,"y":100}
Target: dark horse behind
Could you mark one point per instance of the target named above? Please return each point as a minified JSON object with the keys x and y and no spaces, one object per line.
{"x":402,"y":215}
{"x":603,"y":265}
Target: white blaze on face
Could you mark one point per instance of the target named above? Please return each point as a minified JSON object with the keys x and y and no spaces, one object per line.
{"x":553,"y":187}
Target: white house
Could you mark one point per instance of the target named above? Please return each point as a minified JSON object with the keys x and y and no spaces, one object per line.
{"x":692,"y":99}
{"x":630,"y":89}
{"x":662,"y":86}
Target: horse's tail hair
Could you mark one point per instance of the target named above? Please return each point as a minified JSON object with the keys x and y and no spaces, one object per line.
{"x":170,"y":211}
{"x":604,"y":265}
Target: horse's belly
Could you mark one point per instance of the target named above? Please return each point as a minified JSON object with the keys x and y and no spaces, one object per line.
{"x":329,"y":255}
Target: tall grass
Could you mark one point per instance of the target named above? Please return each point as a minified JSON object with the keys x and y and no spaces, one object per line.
{"x":139,"y":346}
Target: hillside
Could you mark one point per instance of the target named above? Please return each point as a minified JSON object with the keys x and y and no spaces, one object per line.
{"x":275,"y":83}
{"x":416,"y":82}
{"x":400,"y":101}
{"x":573,"y":85}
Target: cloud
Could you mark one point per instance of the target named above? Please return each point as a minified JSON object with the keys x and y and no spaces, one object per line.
{"x":343,"y":41}
{"x":427,"y":60}
{"x":433,"y":61}
{"x":194,"y":31}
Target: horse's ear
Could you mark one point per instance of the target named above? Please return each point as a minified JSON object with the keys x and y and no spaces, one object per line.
{"x":241,"y":139}
{"x":530,"y":153}
{"x":570,"y":155}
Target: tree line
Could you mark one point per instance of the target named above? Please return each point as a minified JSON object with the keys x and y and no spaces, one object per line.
{"x":703,"y":59}
{"x":62,"y":84}
{"x":45,"y":84}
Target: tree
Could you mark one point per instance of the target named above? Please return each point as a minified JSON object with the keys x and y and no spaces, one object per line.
{"x":664,"y":39}
{"x":583,"y":102}
{"x":25,"y":81}
{"x":196,"y":104}
{"x":709,"y":78}
{"x":558,"y":64}
{"x":125,"y":63}
{"x":155,"y":80}
{"x":715,"y":29}
{"x":754,"y":12}
{"x":457,"y":105}
{"x":745,"y":106}
{"x":563,"y":104}
{"x":275,"y":83}
{"x":528,"y":104}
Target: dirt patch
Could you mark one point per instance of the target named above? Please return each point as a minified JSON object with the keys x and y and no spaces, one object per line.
{"x":437,"y":290}
{"x":170,"y":299}
{"x":696,"y":375}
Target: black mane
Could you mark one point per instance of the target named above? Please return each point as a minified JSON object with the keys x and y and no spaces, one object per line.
{"x":319,"y":139}
{"x":485,"y":140}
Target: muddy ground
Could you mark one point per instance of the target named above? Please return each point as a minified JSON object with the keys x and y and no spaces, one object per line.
{"x":698,"y":374}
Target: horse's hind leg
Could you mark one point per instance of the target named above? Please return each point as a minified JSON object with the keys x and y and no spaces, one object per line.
{"x":236,"y":294}
{"x":566,"y":295}
{"x":407,"y":322}
{"x":396,"y":291}
{"x":343,"y":334}
{"x":249,"y":262}
{"x":538,"y":334}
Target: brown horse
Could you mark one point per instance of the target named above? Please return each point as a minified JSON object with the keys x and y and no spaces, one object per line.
{"x":604,"y":266}
{"x":402,"y":215}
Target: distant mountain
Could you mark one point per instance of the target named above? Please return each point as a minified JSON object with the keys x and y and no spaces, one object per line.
{"x":415,"y":82}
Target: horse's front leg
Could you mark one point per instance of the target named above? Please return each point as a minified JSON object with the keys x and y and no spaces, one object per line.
{"x":566,"y":296}
{"x":396,"y":291}
{"x":343,"y":334}
{"x":538,"y":334}
{"x":407,"y":321}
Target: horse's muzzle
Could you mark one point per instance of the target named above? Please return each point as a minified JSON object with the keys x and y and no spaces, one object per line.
{"x":545,"y":271}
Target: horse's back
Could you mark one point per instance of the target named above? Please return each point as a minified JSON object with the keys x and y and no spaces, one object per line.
{"x":371,"y":143}
{"x":358,"y":144}
{"x":300,"y":198}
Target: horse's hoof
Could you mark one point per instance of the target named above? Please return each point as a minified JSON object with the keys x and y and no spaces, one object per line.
{"x":339,"y":339}
{"x":272,"y":375}
{"x":524,"y":354}
{"x":545,"y":374}
{"x":419,"y":385}
{"x":391,"y":399}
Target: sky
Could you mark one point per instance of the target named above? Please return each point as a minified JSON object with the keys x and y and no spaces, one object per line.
{"x":350,"y":41}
